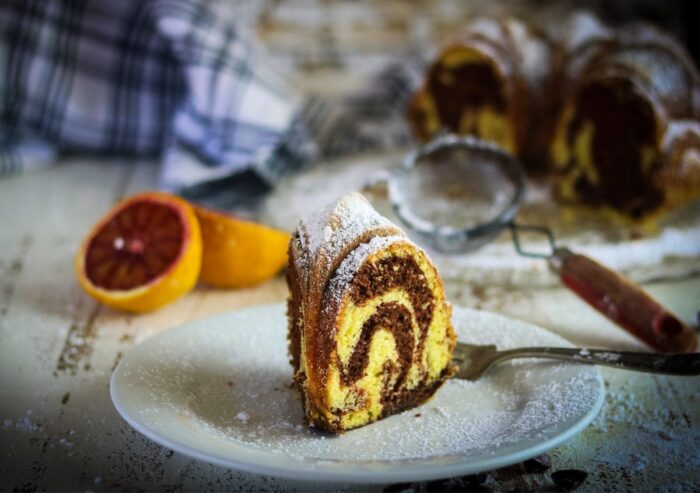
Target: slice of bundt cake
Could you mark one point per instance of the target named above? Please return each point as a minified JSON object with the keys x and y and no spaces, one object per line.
{"x":369,"y":327}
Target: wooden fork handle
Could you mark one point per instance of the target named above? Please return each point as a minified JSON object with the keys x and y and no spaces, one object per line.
{"x":623,"y":302}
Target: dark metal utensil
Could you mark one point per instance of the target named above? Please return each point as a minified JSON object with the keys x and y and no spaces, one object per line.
{"x":458,"y":192}
{"x":474,"y":360}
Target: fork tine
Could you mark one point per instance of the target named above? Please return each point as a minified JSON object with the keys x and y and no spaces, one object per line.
{"x":472,"y":359}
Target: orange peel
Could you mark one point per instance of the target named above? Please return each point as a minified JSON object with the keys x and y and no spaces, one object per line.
{"x":239,"y":253}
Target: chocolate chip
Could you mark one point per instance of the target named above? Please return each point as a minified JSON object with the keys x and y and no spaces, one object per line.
{"x":537,"y":464}
{"x":402,"y":488}
{"x":569,"y":479}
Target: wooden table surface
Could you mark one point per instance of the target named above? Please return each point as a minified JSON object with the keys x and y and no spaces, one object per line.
{"x":58,"y":347}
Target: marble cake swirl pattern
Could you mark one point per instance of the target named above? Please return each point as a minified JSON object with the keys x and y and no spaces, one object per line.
{"x":369,"y":326}
{"x":610,"y":114}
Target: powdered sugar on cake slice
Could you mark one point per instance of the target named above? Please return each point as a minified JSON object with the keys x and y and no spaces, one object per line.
{"x":337,"y":225}
{"x":325,"y":234}
{"x":349,"y":267}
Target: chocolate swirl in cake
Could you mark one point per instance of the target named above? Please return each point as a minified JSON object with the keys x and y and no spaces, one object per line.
{"x":395,"y":318}
{"x":393,"y":272}
{"x":371,"y":336}
{"x":371,"y":281}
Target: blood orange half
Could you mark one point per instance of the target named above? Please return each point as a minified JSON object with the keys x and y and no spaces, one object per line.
{"x":145,"y":253}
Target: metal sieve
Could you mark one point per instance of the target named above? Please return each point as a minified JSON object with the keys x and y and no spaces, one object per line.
{"x":457,"y":193}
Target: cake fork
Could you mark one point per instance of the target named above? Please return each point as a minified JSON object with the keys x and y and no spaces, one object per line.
{"x":474,"y":360}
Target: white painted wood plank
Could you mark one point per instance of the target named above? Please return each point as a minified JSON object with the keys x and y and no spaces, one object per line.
{"x":44,"y":312}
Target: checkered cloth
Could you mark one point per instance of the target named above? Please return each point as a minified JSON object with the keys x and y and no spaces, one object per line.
{"x":172,"y":79}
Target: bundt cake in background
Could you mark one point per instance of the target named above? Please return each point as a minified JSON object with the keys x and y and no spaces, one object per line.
{"x":370,"y":330}
{"x":626,"y":134}
{"x":612,"y":114}
{"x":493,"y":82}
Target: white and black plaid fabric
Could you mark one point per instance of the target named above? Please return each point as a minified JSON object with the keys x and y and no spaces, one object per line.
{"x":172,"y":79}
{"x":134,"y":77}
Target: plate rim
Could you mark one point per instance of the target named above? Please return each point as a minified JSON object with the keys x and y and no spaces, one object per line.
{"x":359,"y":474}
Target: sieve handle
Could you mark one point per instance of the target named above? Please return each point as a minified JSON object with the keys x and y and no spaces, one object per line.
{"x":623,"y":302}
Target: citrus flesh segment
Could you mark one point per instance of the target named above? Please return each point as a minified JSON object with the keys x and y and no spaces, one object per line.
{"x":135,"y":247}
{"x":144,"y":253}
{"x":239,"y":253}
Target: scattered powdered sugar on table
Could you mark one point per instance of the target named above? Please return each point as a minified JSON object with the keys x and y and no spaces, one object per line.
{"x":228,"y":379}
